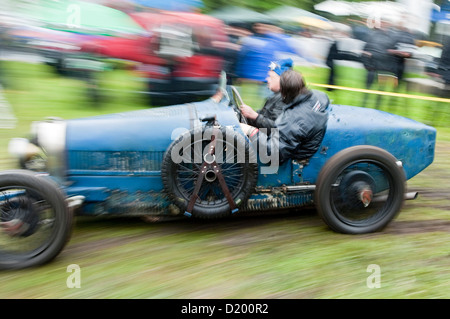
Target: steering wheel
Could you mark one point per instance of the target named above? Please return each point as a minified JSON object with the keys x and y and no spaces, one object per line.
{"x":237,"y":103}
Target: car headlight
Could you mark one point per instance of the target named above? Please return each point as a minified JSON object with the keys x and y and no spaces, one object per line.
{"x":45,"y":150}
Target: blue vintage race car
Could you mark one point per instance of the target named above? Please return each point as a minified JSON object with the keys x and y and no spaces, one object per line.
{"x":194,"y":160}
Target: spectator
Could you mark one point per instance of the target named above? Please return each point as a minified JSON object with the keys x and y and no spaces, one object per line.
{"x":335,"y":53}
{"x":377,"y":56}
{"x":381,"y":56}
{"x":444,"y":66}
{"x":268,"y":43}
{"x":229,"y":50}
{"x":405,"y":46}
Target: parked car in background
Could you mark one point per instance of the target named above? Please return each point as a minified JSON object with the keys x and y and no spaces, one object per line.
{"x":178,"y":60}
{"x":56,"y":48}
{"x":177,"y":54}
{"x":57,"y":29}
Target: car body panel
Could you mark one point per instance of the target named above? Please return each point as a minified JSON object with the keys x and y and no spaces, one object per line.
{"x":409,"y":141}
{"x":115,"y":160}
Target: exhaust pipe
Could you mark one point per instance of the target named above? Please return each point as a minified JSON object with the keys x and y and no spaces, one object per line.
{"x":411,"y":195}
{"x":406,"y":196}
{"x":74,"y":202}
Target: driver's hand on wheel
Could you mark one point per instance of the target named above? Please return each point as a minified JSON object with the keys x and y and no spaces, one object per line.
{"x":248,"y":112}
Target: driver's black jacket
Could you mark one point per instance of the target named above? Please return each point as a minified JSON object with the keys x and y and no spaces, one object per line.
{"x":300,"y":127}
{"x":268,"y":114}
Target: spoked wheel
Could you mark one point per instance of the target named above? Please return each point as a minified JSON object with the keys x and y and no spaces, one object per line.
{"x":360,"y":190}
{"x":218,"y":181}
{"x":35,"y":223}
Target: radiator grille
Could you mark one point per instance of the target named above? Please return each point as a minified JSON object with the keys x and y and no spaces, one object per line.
{"x":129,"y":161}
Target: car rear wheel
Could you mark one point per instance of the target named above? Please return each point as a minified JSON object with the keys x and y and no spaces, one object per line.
{"x":360,"y":190}
{"x":35,"y":223}
{"x":188,"y":170}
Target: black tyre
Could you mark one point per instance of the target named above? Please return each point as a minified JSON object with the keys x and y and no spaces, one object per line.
{"x":235,"y":159}
{"x":35,"y":223}
{"x":360,"y":190}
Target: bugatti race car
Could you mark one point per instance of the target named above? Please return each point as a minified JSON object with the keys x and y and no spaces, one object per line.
{"x":194,"y":161}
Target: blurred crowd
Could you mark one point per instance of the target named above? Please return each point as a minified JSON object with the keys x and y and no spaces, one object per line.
{"x":385,"y":50}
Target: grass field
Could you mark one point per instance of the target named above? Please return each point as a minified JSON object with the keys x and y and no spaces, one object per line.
{"x":289,"y":255}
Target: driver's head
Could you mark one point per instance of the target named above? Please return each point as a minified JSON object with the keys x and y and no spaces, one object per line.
{"x":292,"y":84}
{"x":275,"y":71}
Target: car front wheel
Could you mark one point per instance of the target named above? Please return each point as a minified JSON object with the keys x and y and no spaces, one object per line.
{"x":35,"y":222}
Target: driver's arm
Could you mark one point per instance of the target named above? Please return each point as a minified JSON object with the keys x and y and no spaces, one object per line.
{"x":262,"y":121}
{"x":257,"y":119}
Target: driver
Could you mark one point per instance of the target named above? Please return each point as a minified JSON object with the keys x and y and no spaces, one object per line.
{"x":265,"y":118}
{"x":302,"y":123}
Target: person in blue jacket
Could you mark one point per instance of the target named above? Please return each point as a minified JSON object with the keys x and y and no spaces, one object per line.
{"x":267,"y":44}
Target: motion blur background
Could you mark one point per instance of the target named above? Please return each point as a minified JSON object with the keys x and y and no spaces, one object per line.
{"x":71,"y":59}
{"x":166,"y":52}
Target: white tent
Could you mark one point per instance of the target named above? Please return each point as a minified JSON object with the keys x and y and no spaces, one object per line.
{"x":338,"y":8}
{"x":413,"y":14}
{"x":388,"y":10}
{"x":288,"y":13}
